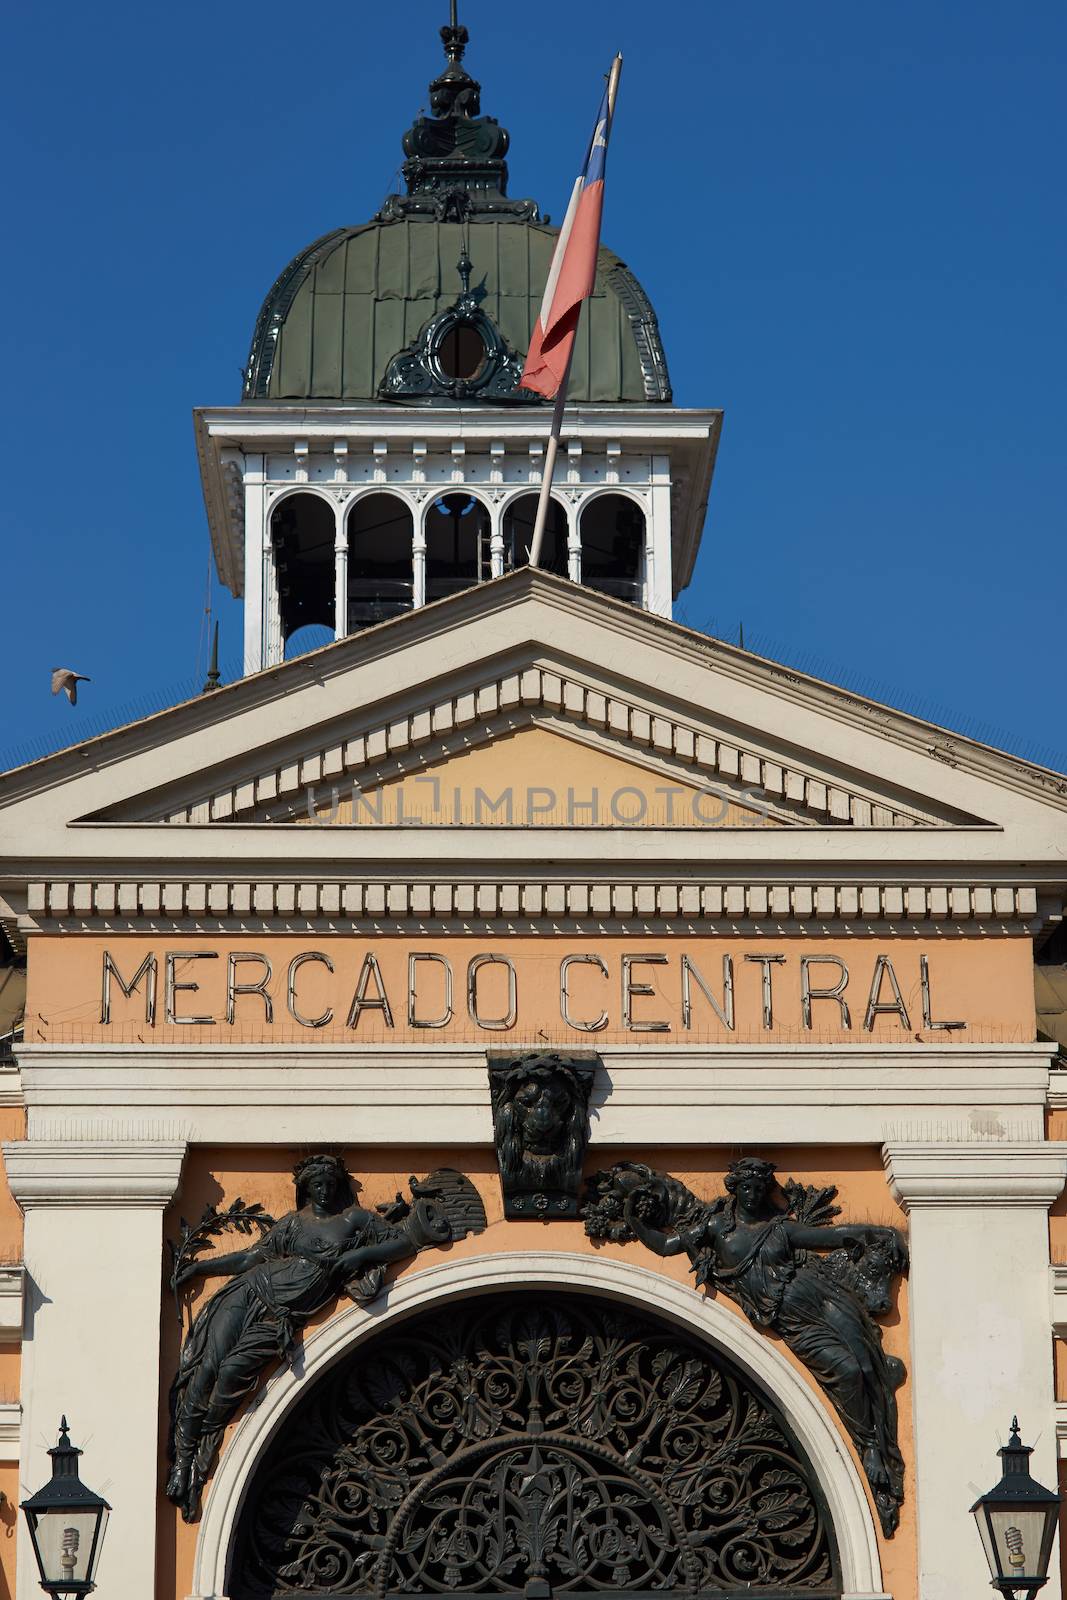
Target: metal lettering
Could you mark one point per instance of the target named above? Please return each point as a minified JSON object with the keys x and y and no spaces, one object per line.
{"x":233,"y":988}
{"x":724,"y":1012}
{"x":631,"y":989}
{"x":876,"y":1007}
{"x":361,"y":1001}
{"x":294,"y":1011}
{"x":171,"y":988}
{"x":808,"y":994}
{"x":564,"y":996}
{"x":428,"y":1022}
{"x":767,"y":962}
{"x":928,"y":1013}
{"x":148,"y":970}
{"x":492,"y":1024}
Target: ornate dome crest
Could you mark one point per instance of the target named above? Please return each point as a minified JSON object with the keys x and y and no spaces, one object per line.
{"x":460,"y":354}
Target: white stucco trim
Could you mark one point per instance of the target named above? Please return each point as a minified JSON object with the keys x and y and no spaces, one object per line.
{"x":838,"y":1477}
{"x":10,"y":1430}
{"x":12,"y":1291}
{"x":420,"y":1094}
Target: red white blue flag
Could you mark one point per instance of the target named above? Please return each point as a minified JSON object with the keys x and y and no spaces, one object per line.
{"x":572,"y":274}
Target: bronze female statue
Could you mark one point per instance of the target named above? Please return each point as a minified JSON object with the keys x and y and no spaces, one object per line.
{"x":761,"y":1254}
{"x":327,"y":1245}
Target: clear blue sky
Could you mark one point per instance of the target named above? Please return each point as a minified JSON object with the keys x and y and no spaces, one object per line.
{"x":849,"y":216}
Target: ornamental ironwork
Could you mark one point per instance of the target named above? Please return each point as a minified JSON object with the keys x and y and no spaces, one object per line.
{"x":534,"y":1445}
{"x":424,"y":371}
{"x":776,"y":1250}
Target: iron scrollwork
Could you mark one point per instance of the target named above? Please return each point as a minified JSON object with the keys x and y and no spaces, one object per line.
{"x":328,"y":1245}
{"x":419,"y":374}
{"x":540,"y":1126}
{"x":534,"y":1445}
{"x":760,"y":1244}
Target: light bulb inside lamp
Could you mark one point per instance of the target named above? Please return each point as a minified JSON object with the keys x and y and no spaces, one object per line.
{"x":1014,"y":1540}
{"x":71,"y":1541}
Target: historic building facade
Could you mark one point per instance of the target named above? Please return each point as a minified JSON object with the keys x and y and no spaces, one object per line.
{"x":527,"y":1099}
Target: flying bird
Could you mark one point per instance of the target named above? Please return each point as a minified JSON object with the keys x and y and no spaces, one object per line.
{"x":63,"y":678}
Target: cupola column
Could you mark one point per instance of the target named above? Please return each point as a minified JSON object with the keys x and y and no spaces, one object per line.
{"x":574,"y":545}
{"x":418,"y":556}
{"x":340,"y":570}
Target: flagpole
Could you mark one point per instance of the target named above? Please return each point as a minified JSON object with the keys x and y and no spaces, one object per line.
{"x":552,"y":449}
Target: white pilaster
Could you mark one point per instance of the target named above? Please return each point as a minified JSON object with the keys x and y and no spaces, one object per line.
{"x":255,"y":500}
{"x":658,"y":577}
{"x":980,"y":1337}
{"x":93,"y":1248}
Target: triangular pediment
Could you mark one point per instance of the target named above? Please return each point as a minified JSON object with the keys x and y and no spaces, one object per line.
{"x":525,"y":678}
{"x":522,"y":771}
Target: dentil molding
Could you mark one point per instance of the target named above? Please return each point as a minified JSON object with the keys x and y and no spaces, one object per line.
{"x":967,"y":1174}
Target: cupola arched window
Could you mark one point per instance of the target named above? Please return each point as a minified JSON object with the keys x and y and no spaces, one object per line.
{"x":612,"y":530}
{"x":380,"y":576}
{"x":458,"y":536}
{"x":302,"y":539}
{"x":519,"y":520}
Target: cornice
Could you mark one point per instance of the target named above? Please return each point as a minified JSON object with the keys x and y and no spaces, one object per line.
{"x":259,"y":424}
{"x":108,"y":1173}
{"x":967,"y":1174}
{"x":537,"y":905}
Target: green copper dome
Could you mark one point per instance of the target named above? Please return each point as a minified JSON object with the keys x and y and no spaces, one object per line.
{"x":359,"y":315}
{"x":352,"y":301}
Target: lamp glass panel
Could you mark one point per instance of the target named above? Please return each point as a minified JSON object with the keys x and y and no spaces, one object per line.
{"x":65,"y":1541}
{"x":1019,"y":1536}
{"x":94,"y":1558}
{"x":987,"y":1540}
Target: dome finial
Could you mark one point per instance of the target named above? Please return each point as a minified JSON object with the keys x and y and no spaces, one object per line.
{"x":455,"y":165}
{"x":455,"y":38}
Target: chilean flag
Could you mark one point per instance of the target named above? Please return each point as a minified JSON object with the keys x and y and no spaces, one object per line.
{"x":573,"y":271}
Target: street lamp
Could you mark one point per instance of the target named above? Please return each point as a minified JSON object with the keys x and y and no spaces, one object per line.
{"x":66,"y":1522}
{"x":1017,"y":1522}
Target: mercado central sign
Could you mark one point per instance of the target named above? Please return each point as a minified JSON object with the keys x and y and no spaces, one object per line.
{"x":662,"y":989}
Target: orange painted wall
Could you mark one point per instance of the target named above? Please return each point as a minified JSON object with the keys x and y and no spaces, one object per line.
{"x":531,"y":778}
{"x":985,"y":982}
{"x":12,"y":1126}
{"x":265,"y":1175}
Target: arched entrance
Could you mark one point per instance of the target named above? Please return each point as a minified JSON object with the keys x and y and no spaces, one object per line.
{"x":534,"y":1444}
